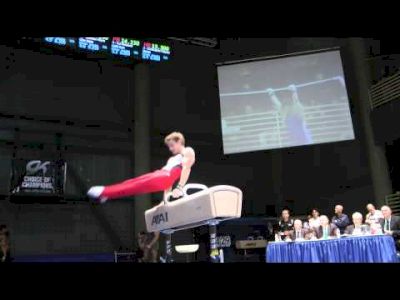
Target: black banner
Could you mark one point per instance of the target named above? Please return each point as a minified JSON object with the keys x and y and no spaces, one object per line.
{"x":38,"y":177}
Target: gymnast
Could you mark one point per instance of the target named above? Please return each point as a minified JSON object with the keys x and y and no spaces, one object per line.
{"x":293,"y":116}
{"x":178,"y":167}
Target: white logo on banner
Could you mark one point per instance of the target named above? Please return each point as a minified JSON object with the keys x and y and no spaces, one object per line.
{"x":35,"y":166}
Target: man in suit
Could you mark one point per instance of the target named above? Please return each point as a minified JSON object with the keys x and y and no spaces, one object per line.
{"x":299,"y":232}
{"x":326,"y":229}
{"x":355,"y":228}
{"x":391,"y":225}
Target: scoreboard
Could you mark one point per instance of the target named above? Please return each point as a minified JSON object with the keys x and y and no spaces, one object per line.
{"x":118,"y":47}
{"x":94,"y":44}
{"x":67,"y":42}
{"x":125,"y":47}
{"x":155,"y":52}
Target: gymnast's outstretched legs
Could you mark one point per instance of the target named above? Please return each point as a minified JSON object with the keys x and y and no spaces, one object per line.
{"x":156,"y":181}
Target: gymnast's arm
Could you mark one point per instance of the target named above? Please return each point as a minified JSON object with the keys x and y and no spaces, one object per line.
{"x":165,"y":193}
{"x":187,"y":163}
{"x":295,"y":96}
{"x":275,"y":101}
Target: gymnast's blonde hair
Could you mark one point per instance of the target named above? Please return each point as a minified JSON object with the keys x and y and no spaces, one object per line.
{"x":175,"y":136}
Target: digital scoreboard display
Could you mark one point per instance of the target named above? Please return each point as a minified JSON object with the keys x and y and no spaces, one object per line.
{"x":68,"y":42}
{"x":155,"y":51}
{"x":94,"y":44}
{"x":128,"y":48}
{"x":125,"y":47}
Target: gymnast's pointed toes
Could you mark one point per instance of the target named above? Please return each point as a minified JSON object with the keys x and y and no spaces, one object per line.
{"x":95,"y":194}
{"x":95,"y":191}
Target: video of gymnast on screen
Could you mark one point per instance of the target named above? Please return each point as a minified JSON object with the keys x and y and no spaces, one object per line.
{"x":284,"y":102}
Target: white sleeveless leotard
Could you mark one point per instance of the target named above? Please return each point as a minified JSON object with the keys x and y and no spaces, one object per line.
{"x":173,"y":162}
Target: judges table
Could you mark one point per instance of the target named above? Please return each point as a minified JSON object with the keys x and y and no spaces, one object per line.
{"x":358,"y":249}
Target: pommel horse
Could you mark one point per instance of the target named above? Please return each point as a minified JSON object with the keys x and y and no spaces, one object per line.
{"x":209,"y":206}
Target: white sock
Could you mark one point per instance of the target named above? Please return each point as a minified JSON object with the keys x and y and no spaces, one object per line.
{"x":95,"y":191}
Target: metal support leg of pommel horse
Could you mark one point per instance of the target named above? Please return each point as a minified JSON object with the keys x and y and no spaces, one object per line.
{"x":214,"y":253}
{"x":168,"y":246}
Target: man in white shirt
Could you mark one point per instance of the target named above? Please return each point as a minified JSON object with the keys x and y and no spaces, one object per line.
{"x":373,"y":216}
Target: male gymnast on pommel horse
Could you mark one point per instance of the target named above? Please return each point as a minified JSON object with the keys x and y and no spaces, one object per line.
{"x":178,"y":167}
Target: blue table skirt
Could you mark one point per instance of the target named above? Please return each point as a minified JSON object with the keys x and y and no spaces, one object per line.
{"x":344,"y":250}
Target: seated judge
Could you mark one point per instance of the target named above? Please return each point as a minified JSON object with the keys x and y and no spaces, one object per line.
{"x":326,"y":229}
{"x":298,"y":232}
{"x":391,"y":225}
{"x":355,"y":228}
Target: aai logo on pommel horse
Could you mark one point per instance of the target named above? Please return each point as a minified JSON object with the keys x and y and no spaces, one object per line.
{"x":157,"y":219}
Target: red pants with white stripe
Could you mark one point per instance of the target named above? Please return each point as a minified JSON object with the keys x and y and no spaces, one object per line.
{"x":157,"y":181}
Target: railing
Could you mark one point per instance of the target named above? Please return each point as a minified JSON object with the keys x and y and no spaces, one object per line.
{"x":267,"y":130}
{"x":385,"y":91}
{"x":393,"y":201}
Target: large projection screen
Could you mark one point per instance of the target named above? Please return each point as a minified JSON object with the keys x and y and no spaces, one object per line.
{"x":284,"y":102}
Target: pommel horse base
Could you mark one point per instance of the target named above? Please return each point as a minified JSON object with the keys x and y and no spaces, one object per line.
{"x":209,"y":206}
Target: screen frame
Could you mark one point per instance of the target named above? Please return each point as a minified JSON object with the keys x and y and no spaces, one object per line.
{"x":277,"y":57}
